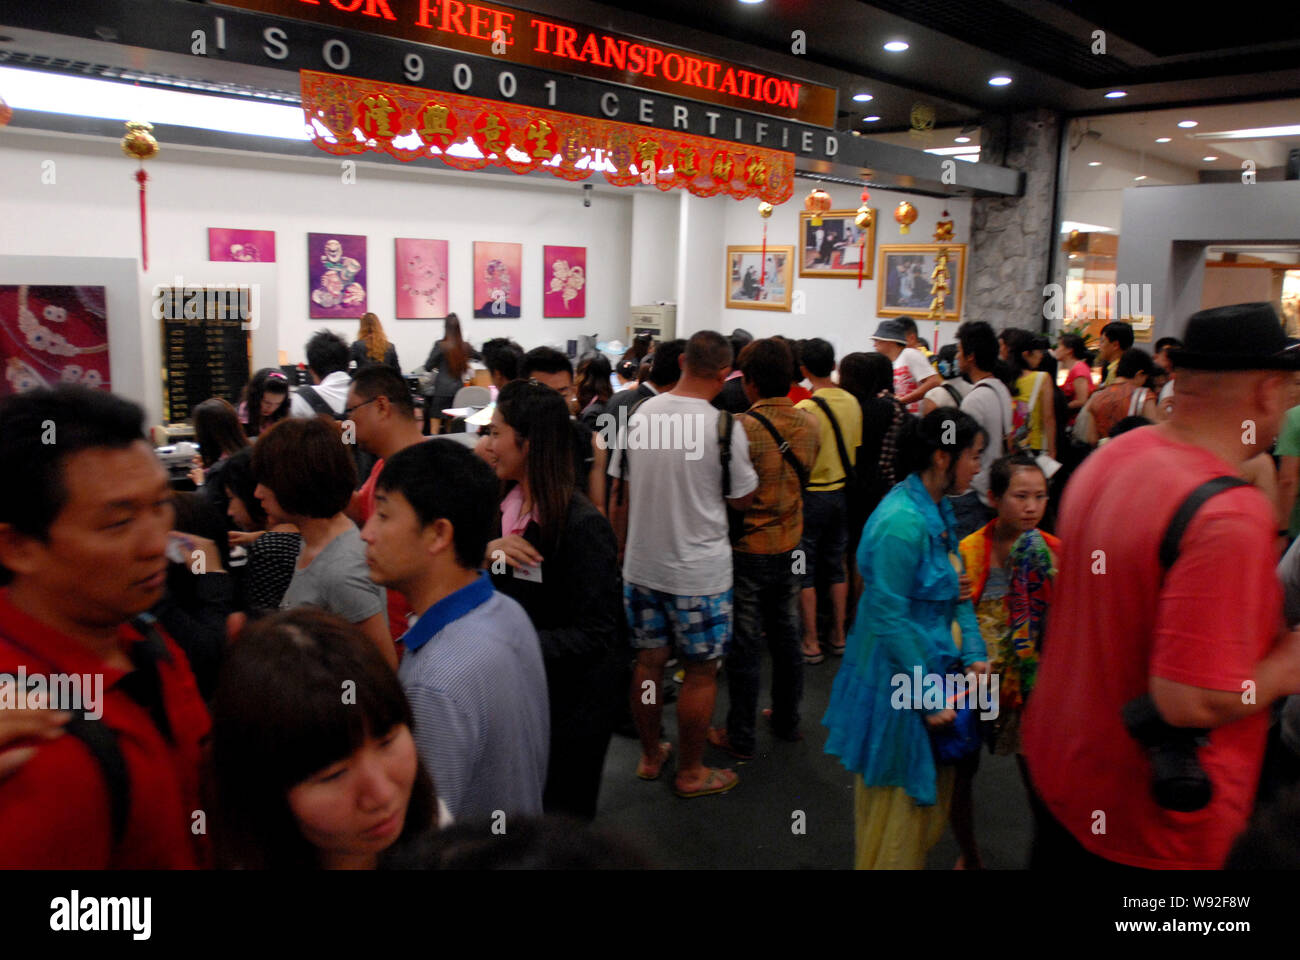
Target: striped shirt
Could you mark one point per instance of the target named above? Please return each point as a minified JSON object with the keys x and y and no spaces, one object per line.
{"x":774,"y":521}
{"x":474,"y":677}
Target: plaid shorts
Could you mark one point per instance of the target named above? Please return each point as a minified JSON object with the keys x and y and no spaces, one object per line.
{"x":699,"y":627}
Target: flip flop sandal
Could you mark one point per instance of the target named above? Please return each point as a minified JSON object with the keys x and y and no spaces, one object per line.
{"x":717,"y":736}
{"x":643,"y":769}
{"x":838,"y":650}
{"x":716,"y":782}
{"x":811,"y":659}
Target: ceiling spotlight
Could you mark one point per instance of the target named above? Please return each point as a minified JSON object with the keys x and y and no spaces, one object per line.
{"x":999,"y":81}
{"x":1187,"y":124}
{"x":896,"y":46}
{"x":871,"y":119}
{"x":862,"y":97}
{"x":1162,"y":139}
{"x":1116,"y":94}
{"x":751,"y":1}
{"x":1209,"y":159}
{"x":961,"y":140}
{"x":1094,"y":163}
{"x":1136,"y":179}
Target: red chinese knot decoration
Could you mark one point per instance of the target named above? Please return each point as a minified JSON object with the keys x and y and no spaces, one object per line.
{"x":351,"y":115}
{"x":139,"y":143}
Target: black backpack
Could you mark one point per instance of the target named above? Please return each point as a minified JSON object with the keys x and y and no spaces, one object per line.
{"x":142,"y":685}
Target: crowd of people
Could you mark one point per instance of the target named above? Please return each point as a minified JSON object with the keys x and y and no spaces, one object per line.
{"x":359,"y":644}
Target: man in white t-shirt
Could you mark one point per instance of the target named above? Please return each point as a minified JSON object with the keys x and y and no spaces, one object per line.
{"x":327,"y":360}
{"x":913,"y":375}
{"x":989,"y":402}
{"x":677,"y":573}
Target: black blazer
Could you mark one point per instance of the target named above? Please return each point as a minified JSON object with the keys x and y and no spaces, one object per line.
{"x":362,"y":357}
{"x":577,"y":608}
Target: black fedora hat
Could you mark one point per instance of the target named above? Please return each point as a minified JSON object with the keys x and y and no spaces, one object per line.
{"x":1244,"y":336}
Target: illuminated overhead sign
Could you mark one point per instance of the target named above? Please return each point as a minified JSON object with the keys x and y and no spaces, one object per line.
{"x":521,"y":37}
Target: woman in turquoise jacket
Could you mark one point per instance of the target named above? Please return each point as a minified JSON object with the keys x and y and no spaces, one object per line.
{"x":905,"y":621}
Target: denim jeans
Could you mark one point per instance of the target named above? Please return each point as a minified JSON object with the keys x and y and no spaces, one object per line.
{"x":970,"y":514}
{"x":765,"y":601}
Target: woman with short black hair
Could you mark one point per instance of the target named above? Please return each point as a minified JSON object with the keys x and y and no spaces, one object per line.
{"x":305,"y":478}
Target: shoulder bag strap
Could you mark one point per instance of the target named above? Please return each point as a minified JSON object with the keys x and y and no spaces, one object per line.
{"x":839,"y":439}
{"x":783,"y":445}
{"x":1173,"y":538}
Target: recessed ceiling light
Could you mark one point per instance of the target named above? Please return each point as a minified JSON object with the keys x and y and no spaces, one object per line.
{"x":1094,"y":163}
{"x":1253,"y":133}
{"x":961,"y":140}
{"x":871,"y":119}
{"x":896,"y":46}
{"x":751,"y":1}
{"x":862,"y":97}
{"x":1209,"y":159}
{"x":999,"y":81}
{"x":1162,"y":139}
{"x":1187,"y":124}
{"x":1116,"y":94}
{"x":1143,"y":177}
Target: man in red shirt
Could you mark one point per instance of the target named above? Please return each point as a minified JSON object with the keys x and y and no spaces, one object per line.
{"x":383,"y":415}
{"x":1204,"y":638}
{"x":85,"y":512}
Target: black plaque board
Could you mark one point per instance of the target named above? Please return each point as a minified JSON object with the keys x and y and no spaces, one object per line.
{"x":204,"y":347}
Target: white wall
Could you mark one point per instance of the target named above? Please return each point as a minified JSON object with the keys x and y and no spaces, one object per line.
{"x":91,"y":210}
{"x":835,"y":308}
{"x":643,"y":246}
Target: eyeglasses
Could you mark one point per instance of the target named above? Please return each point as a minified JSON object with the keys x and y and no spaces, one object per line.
{"x":347,"y":411}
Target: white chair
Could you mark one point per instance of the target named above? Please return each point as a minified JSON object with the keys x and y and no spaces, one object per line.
{"x":476,"y":397}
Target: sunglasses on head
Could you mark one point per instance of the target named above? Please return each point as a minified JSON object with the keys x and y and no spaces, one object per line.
{"x":275,"y":375}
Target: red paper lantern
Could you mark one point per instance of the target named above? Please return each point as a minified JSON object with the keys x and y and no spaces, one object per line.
{"x":6,"y":113}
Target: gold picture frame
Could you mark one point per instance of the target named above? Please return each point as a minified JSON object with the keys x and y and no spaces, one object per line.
{"x":903,"y":282}
{"x":835,"y":255}
{"x":743,"y":288}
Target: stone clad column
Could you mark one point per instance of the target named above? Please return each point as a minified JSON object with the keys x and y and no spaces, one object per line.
{"x":1011,"y":237}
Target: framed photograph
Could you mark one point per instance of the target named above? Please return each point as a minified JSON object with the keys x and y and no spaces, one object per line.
{"x":498,"y":268}
{"x":51,"y":335}
{"x":564,"y":281}
{"x":336,"y":275}
{"x":834,"y":248}
{"x":903,"y":283}
{"x":421,"y":279}
{"x":753,"y":284}
{"x":241,"y":246}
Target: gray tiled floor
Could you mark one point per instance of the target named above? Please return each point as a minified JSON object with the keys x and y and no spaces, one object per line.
{"x":752,"y":826}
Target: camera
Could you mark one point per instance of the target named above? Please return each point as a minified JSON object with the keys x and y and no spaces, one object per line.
{"x":1178,"y":781}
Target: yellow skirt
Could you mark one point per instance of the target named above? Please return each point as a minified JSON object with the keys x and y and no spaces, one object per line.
{"x":891,"y":832}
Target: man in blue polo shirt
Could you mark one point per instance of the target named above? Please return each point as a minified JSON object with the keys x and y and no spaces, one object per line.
{"x":473,"y":669}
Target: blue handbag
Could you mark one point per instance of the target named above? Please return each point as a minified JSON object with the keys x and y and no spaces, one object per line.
{"x":961,"y":738}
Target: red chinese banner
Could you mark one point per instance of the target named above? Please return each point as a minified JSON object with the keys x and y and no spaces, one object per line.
{"x":350,"y":115}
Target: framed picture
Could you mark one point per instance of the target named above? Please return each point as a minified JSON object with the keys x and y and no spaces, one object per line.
{"x":51,"y":335}
{"x":241,"y":246}
{"x":834,"y":248}
{"x":497,"y":271}
{"x":421,"y":279}
{"x":336,"y":275}
{"x":753,"y":284}
{"x":564,"y":281}
{"x":903,"y":283}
